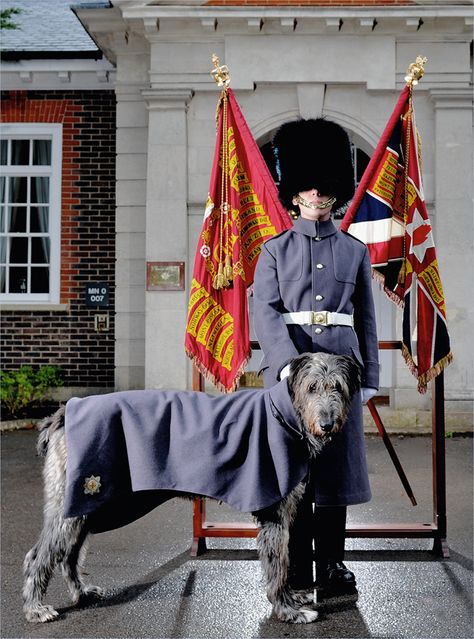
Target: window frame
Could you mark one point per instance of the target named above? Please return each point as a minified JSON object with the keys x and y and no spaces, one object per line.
{"x":38,"y":131}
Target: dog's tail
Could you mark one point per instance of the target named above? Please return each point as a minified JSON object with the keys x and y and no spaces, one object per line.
{"x":47,"y":427}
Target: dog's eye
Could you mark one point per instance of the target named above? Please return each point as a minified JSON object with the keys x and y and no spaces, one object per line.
{"x":312,"y":388}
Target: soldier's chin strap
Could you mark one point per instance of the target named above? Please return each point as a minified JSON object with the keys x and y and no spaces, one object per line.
{"x":311,"y":205}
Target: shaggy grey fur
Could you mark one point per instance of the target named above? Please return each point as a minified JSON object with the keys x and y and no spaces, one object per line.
{"x":321,"y":387}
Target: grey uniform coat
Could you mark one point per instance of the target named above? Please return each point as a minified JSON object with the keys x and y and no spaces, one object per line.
{"x":314,"y":267}
{"x":144,"y":447}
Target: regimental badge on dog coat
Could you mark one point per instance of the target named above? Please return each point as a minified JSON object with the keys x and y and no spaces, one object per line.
{"x":130,"y":451}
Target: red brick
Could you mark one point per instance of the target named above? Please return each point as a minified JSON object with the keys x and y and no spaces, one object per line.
{"x":68,"y":337}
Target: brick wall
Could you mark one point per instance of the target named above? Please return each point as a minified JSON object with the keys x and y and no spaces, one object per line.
{"x":67,"y":338}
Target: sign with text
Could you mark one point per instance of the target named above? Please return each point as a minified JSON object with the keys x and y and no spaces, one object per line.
{"x":97,"y":294}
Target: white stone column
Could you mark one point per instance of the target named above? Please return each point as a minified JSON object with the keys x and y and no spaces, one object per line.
{"x":454,"y":234}
{"x":166,"y":234}
{"x":132,"y":126}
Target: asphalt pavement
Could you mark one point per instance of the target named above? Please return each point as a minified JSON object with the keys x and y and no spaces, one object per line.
{"x":155,"y":589}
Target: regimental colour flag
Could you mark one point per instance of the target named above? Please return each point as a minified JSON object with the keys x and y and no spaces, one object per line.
{"x":241,"y":212}
{"x":389,"y":214}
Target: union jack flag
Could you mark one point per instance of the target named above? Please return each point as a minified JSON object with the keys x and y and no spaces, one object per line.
{"x":389,"y":214}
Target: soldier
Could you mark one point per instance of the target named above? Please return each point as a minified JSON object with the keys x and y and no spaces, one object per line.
{"x":313,"y":293}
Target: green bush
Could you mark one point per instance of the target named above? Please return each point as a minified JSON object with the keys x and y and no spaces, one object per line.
{"x":26,"y":387}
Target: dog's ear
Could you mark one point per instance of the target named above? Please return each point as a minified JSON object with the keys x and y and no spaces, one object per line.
{"x":296,"y":367}
{"x":354,"y":373}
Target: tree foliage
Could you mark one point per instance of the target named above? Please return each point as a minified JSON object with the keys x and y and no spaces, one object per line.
{"x":6,"y":18}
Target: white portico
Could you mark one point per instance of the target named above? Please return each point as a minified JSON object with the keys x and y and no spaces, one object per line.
{"x":346,"y":63}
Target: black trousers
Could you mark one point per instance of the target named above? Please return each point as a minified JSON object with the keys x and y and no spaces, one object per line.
{"x":326,"y":527}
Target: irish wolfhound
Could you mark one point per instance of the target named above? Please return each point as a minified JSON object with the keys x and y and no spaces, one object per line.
{"x":320,"y":387}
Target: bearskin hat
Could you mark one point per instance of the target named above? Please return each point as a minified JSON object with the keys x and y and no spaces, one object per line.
{"x":313,"y":154}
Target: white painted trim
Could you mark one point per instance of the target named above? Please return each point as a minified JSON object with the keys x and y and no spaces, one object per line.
{"x":38,"y":130}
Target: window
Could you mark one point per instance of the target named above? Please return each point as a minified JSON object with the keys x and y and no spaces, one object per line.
{"x":30,"y":212}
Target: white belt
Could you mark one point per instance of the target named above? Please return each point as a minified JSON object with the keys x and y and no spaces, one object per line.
{"x":323,"y":318}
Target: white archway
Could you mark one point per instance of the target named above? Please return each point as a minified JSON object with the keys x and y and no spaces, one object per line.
{"x":365,"y":138}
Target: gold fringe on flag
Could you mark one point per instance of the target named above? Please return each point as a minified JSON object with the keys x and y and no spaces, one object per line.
{"x":213,"y":379}
{"x":423,"y":379}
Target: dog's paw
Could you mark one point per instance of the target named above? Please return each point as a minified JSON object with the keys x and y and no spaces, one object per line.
{"x":93,"y":591}
{"x":302,"y":597}
{"x":306,"y":616}
{"x":294,"y":615}
{"x":87,"y":592}
{"x":40,"y":613}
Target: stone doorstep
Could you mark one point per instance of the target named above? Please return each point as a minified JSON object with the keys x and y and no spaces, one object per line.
{"x":396,"y":422}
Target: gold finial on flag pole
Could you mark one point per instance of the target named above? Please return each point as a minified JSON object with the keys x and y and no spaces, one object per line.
{"x":416,"y":71}
{"x":220,"y":73}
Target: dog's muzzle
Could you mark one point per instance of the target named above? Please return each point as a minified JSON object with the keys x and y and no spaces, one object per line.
{"x":327,"y":428}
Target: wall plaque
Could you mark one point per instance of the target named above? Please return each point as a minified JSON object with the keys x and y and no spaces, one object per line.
{"x":165,"y":276}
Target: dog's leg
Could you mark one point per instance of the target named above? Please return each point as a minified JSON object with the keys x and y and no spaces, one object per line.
{"x":72,"y":567}
{"x":61,"y":539}
{"x":272,"y":543}
{"x":54,"y":543}
{"x":37,"y":572}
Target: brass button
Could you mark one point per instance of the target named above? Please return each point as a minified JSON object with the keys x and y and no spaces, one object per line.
{"x":318,"y":239}
{"x":320,"y":266}
{"x":319,"y":298}
{"x":318,"y":330}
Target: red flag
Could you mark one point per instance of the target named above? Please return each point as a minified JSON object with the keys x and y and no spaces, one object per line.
{"x":242,"y":211}
{"x":389,"y":214}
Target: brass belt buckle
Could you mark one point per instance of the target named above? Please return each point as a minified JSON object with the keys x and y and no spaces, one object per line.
{"x":320,"y":317}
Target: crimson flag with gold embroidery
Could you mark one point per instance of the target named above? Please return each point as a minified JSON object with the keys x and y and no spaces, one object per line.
{"x":241,"y":212}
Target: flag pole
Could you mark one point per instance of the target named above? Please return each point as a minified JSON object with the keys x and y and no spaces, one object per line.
{"x":225,"y":273}
{"x":415,"y":72}
{"x":242,"y":210}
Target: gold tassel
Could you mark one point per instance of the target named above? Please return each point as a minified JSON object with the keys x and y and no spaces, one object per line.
{"x":402,"y":274}
{"x":218,"y":282}
{"x":228,"y":270}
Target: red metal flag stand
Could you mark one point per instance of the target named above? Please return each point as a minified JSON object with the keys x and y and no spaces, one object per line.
{"x":429,"y":370}
{"x":436,"y":529}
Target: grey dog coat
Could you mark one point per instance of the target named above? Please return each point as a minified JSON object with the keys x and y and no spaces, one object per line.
{"x":144,"y":447}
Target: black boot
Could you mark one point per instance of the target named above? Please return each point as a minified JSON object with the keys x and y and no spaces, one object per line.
{"x":330,"y":535}
{"x":335,"y":578}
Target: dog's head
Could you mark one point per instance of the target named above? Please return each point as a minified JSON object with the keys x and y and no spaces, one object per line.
{"x":322,"y":387}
